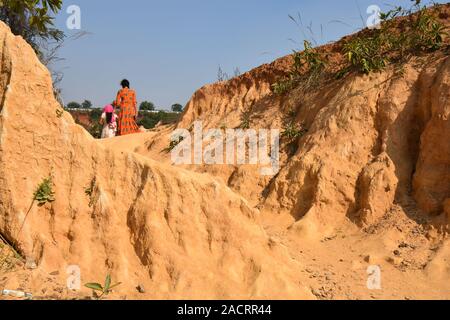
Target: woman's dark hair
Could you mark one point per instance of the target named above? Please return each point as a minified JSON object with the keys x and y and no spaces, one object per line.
{"x":125,"y":83}
{"x":109,"y":117}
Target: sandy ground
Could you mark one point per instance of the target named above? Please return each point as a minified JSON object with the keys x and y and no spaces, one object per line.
{"x":411,"y":258}
{"x":407,"y":251}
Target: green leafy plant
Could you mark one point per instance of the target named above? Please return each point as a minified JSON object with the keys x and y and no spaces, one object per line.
{"x":395,"y":40}
{"x":307,"y":67}
{"x":173,"y":143}
{"x":86,"y":104}
{"x":102,"y":290}
{"x":147,"y":106}
{"x":9,"y":257}
{"x":310,"y":58}
{"x":366,"y":53}
{"x":293,"y":132}
{"x":177,"y":107}
{"x":283,"y":86}
{"x":32,"y":19}
{"x":44,"y":193}
{"x":245,"y":121}
{"x":428,"y":33}
{"x":342,"y":73}
{"x":149,"y":120}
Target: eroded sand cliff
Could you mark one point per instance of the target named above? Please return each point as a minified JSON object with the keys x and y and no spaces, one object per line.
{"x":368,"y":184}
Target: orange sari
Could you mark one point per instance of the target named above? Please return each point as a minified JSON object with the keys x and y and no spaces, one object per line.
{"x":126,"y":101}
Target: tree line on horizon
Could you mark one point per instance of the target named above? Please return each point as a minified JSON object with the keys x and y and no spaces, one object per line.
{"x":144,"y":106}
{"x":148,"y":120}
{"x":148,"y":117}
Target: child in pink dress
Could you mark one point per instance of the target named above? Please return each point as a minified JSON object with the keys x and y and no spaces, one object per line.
{"x":109,"y":121}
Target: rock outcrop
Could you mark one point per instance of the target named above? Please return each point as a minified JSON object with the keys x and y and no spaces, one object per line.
{"x":374,"y":141}
{"x":431,"y":185}
{"x":179,"y":233}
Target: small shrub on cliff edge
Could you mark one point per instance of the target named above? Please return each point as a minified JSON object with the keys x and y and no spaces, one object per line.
{"x":419,"y":30}
{"x":282,"y":86}
{"x":428,"y":32}
{"x":90,"y":189}
{"x":44,"y":193}
{"x":293,"y":132}
{"x":373,"y":50}
{"x":366,"y":53}
{"x":307,"y":67}
{"x":309,"y":58}
{"x":103,"y":290}
{"x":245,"y":120}
{"x":173,"y":144}
{"x":9,"y":257}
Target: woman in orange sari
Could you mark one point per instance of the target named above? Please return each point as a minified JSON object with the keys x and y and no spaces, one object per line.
{"x":126,"y":101}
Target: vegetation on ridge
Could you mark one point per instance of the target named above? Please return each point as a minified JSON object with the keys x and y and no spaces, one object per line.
{"x":32,"y":19}
{"x":418,"y":30}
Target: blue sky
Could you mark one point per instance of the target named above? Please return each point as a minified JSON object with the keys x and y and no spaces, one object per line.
{"x":170,"y":48}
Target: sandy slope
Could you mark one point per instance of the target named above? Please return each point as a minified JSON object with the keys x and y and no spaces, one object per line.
{"x":368,"y":185}
{"x":412,"y":254}
{"x":178,"y":233}
{"x":371,"y":176}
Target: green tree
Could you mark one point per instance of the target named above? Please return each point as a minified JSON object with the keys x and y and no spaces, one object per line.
{"x":150,"y":120}
{"x":73,"y":105}
{"x":147,"y":106}
{"x":177,"y":107}
{"x":86,"y":104}
{"x":32,"y":19}
{"x":96,"y":114}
